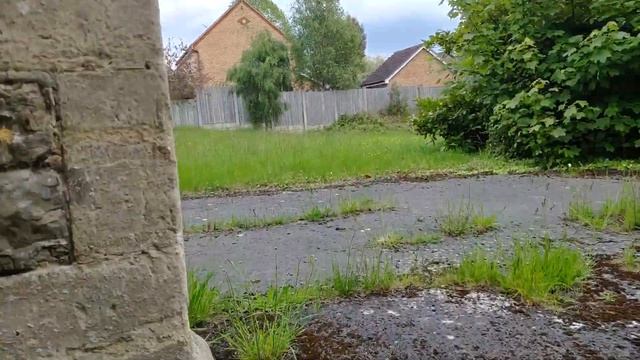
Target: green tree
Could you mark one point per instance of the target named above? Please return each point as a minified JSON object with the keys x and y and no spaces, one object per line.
{"x":328,"y":45}
{"x":554,"y":80}
{"x":262,"y":74}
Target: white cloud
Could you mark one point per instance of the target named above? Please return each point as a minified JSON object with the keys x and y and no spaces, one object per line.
{"x":186,"y":19}
{"x":202,"y":12}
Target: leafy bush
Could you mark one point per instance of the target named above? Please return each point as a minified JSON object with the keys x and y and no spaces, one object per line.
{"x":558,"y":81}
{"x":359,"y":121}
{"x":398,"y":106}
{"x":368,"y":122}
{"x":260,"y":77}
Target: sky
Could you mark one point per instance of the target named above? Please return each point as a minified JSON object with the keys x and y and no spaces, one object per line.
{"x":390,"y":25}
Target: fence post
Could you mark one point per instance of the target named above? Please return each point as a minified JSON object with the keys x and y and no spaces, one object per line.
{"x":304,"y":111}
{"x":366,"y":101}
{"x":237,"y":109}
{"x":335,"y":102}
{"x":198,"y":105}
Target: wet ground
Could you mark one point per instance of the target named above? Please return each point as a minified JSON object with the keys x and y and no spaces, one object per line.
{"x":434,"y":324}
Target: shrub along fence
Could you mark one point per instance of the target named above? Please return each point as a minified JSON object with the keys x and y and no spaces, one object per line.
{"x":221,"y":107}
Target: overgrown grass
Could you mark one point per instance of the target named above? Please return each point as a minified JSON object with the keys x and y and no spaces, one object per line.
{"x":210,"y":160}
{"x":395,"y":241}
{"x":537,"y":273}
{"x":621,"y":214}
{"x":203,"y":299}
{"x":463,"y":219}
{"x":350,"y":207}
{"x":265,"y":326}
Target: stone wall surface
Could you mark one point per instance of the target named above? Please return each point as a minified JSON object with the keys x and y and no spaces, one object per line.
{"x":91,"y":253}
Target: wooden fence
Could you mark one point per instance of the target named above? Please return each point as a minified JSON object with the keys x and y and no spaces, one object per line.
{"x":221,"y":107}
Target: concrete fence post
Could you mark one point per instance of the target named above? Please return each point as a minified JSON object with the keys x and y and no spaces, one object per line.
{"x":236,"y":108}
{"x":91,"y":254}
{"x":304,"y":111}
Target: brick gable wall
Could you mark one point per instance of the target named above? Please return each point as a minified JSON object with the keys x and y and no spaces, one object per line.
{"x":423,"y":69}
{"x":223,"y":46}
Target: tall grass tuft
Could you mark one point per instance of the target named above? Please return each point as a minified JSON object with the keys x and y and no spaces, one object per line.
{"x":621,"y":214}
{"x":537,"y":273}
{"x":375,"y":275}
{"x":257,"y":339}
{"x":344,"y":281}
{"x":318,"y":213}
{"x":541,"y":273}
{"x":378,"y":276}
{"x":463,"y":219}
{"x":203,"y":299}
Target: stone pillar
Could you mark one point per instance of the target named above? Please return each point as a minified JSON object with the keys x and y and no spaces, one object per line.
{"x":91,"y":253}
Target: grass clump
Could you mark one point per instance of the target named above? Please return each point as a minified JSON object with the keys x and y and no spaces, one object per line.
{"x":203,"y":299}
{"x":537,"y":273}
{"x":358,"y":206}
{"x":395,"y":241}
{"x":608,"y":297}
{"x":631,"y":259}
{"x":476,"y":269}
{"x":375,"y":275}
{"x":318,"y":213}
{"x":263,"y":340}
{"x":241,"y":223}
{"x":621,"y":214}
{"x":463,"y":219}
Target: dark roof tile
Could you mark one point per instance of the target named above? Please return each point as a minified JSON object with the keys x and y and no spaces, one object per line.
{"x":391,"y":65}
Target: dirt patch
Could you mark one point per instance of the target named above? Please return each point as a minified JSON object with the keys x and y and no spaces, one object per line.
{"x":325,"y":340}
{"x":442,"y":325}
{"x":611,"y":296}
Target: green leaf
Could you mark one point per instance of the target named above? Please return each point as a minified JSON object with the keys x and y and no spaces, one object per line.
{"x":549,"y":121}
{"x":601,"y":56}
{"x":558,"y":133}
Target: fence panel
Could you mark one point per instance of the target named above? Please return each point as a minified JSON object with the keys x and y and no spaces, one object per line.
{"x":221,"y":107}
{"x":185,"y":113}
{"x":377,"y":100}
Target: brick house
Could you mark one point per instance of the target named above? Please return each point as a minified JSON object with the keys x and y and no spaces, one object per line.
{"x":221,"y":46}
{"x":413,"y":66}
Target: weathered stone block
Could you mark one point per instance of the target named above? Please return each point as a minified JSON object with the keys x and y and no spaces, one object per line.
{"x":33,"y":221}
{"x":55,"y":35}
{"x":92,"y":101}
{"x":27,"y":126}
{"x":23,"y":106}
{"x":116,"y":145}
{"x":119,"y":309}
{"x":122,"y":208}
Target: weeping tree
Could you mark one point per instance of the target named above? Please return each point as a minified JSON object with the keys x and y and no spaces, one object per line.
{"x":260,"y":77}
